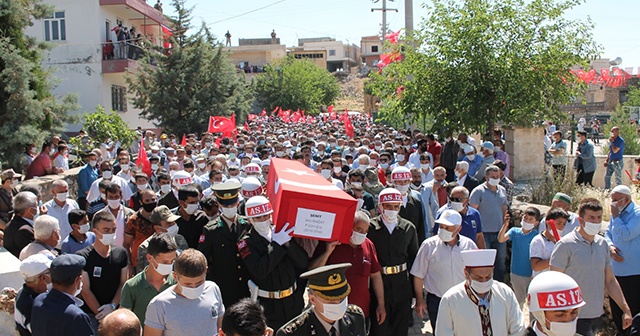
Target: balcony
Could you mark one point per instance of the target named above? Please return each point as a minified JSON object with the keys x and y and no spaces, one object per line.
{"x":141,"y":7}
{"x":120,"y":56}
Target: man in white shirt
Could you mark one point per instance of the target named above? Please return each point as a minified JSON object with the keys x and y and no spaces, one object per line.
{"x":107,"y":174}
{"x":479,"y":305}
{"x":60,"y":206}
{"x":113,"y":193}
{"x":438,"y":265}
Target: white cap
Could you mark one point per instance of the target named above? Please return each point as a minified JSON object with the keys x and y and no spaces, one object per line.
{"x":467,"y":148}
{"x":251,"y":186}
{"x":390,"y":195}
{"x":181,"y":178}
{"x":553,"y":290}
{"x":258,"y":206}
{"x":253,"y":168}
{"x":400,"y":173}
{"x":265,"y":162}
{"x":449,"y":218}
{"x":479,"y":258}
{"x":35,"y":264}
{"x":621,"y":189}
{"x":256,"y":160}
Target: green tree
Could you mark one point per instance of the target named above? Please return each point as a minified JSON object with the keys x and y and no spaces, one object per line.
{"x":28,"y":110}
{"x":476,"y":62}
{"x":633,"y":97}
{"x":189,"y":83}
{"x":296,"y":84}
{"x":628,"y":131}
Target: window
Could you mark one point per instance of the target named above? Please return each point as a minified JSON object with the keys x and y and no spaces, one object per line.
{"x":118,"y":98}
{"x":374,"y":49}
{"x":332,"y":52}
{"x":55,"y":27}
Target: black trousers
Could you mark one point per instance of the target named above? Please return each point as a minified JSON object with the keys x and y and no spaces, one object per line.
{"x":451,"y":176}
{"x":433,"y":302}
{"x":584,"y":178}
{"x":630,"y":286}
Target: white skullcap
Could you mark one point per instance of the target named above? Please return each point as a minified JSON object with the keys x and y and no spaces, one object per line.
{"x":621,"y":189}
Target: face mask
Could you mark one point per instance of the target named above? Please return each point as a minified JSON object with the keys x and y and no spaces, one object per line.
{"x":202,"y":165}
{"x":49,"y":286}
{"x":149,"y":207}
{"x":114,"y":204}
{"x":400,"y":157}
{"x":592,"y":229}
{"x":84,"y":228}
{"x":163,"y":269}
{"x":229,"y":212}
{"x":165,"y":188}
{"x":103,"y":196}
{"x":445,"y":235}
{"x":390,"y":215}
{"x":232,"y":156}
{"x":360,"y":204}
{"x":356,"y":184}
{"x":471,"y":157}
{"x":142,"y":187}
{"x":171,"y":173}
{"x":456,"y":173}
{"x":457,"y":206}
{"x":34,"y":150}
{"x":107,"y":174}
{"x":173,"y":230}
{"x":125,"y":168}
{"x":373,"y":162}
{"x":384,"y":165}
{"x":279,"y":153}
{"x":53,"y":151}
{"x":494,"y":182}
{"x":337,"y":170}
{"x":563,"y":328}
{"x":62,"y":197}
{"x":496,"y":149}
{"x":93,"y":163}
{"x":362,"y":168}
{"x":447,"y":139}
{"x":261,"y":142}
{"x":154,"y":167}
{"x":357,"y":238}
{"x":425,"y":166}
{"x":378,"y":148}
{"x":108,"y":238}
{"x":192,"y":293}
{"x":334,"y":312}
{"x":402,"y":188}
{"x":78,"y":291}
{"x":191,"y":209}
{"x":326,"y":173}
{"x":481,"y":287}
{"x":527,"y":226}
{"x":14,"y":183}
{"x":262,"y":227}
{"x":611,"y":134}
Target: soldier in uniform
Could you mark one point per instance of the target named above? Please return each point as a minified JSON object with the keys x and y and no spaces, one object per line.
{"x":330,"y":313}
{"x":274,"y":262}
{"x":396,"y":245}
{"x":554,"y":300}
{"x":218,"y":244}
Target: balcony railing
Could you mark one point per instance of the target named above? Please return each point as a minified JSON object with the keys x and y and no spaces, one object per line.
{"x":124,"y":50}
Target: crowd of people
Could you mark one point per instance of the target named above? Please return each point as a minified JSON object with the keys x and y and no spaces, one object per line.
{"x":191,"y":249}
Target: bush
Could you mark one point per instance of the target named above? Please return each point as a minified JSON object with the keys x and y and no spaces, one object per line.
{"x":628,"y":131}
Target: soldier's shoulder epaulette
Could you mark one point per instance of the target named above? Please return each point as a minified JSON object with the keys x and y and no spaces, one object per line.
{"x":294,"y":324}
{"x":355,"y":309}
{"x":243,"y":220}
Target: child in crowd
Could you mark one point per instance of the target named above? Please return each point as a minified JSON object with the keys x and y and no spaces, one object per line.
{"x":542,"y":245}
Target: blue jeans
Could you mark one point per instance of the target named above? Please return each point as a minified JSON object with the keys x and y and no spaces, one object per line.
{"x":491,"y":242}
{"x":613,"y":167}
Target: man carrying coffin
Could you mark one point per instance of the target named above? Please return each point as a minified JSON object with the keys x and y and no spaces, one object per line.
{"x":273,"y":261}
{"x":479,"y":305}
{"x":396,"y":245}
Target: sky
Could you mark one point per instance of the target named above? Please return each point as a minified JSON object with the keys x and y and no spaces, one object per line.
{"x":349,"y":20}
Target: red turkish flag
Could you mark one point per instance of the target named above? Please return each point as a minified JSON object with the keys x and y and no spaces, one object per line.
{"x":246,"y":127}
{"x":183,"y":142}
{"x":143,"y":160}
{"x":332,"y":115}
{"x":348,"y":128}
{"x":252,"y":117}
{"x":233,"y":119}
{"x":263,"y":114}
{"x":330,"y":108}
{"x":219,"y":124}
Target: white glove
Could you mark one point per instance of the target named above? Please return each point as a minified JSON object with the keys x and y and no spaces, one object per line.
{"x":103,"y":311}
{"x":282,"y":237}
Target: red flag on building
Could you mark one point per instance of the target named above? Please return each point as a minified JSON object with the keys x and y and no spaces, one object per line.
{"x":143,"y":160}
{"x":183,"y":142}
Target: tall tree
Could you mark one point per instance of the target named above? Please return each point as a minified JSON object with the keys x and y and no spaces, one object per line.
{"x":296,"y":84}
{"x":28,"y":110}
{"x":476,"y":62}
{"x":192,"y":81}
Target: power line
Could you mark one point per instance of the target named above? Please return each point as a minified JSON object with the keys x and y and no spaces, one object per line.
{"x":249,"y":12}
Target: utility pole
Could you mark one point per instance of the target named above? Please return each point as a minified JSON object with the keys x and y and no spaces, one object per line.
{"x":408,"y":17}
{"x":384,"y":10}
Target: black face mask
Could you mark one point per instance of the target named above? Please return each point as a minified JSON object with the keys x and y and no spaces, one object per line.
{"x":149,"y":207}
{"x":189,"y":152}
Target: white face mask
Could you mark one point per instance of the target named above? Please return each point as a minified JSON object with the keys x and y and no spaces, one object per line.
{"x":592,"y":229}
{"x":337,"y":170}
{"x":611,"y":134}
{"x":494,"y":182}
{"x":457,"y":206}
{"x":481,"y":287}
{"x":357,"y":238}
{"x":373,"y":162}
{"x":107,"y":174}
{"x":279,"y":153}
{"x":79,"y":290}
{"x":363,"y":167}
{"x":326,"y":173}
{"x":402,"y":188}
{"x":202,"y":165}
{"x":563,"y":328}
{"x":425,"y":166}
{"x":125,"y":168}
{"x":108,"y":238}
{"x":93,"y":163}
{"x":49,"y":286}
{"x":163,"y":269}
{"x":400,"y":157}
{"x":191,"y":209}
{"x":390,"y":215}
{"x":173,"y":230}
{"x":84,"y":228}
{"x":229,"y":212}
{"x":356,"y":184}
{"x":62,"y":197}
{"x":334,"y":312}
{"x":360,"y":204}
{"x":527,"y":226}
{"x":142,"y":187}
{"x":165,"y":188}
{"x":114,"y":204}
{"x":154,"y":167}
{"x":471,"y":157}
{"x":445,"y":235}
{"x":192,"y":293}
{"x":262,"y":227}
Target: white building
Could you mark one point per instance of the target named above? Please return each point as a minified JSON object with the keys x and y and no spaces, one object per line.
{"x":339,"y":55}
{"x":79,"y":31}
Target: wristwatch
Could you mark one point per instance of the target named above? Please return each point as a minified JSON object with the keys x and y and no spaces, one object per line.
{"x":113,"y":305}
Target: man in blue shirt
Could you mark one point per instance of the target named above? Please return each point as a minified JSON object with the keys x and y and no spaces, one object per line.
{"x":614,"y":162}
{"x":623,"y":238}
{"x":472,"y":158}
{"x":87,"y":175}
{"x":471,"y":223}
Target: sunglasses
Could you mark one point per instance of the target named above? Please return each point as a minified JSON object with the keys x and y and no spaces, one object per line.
{"x":456,"y":199}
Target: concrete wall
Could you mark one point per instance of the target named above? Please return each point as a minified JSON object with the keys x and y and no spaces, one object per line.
{"x":526,"y":149}
{"x":45,"y":182}
{"x":598,"y":177}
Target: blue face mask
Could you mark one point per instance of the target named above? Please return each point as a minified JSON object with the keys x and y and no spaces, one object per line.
{"x":261,"y":142}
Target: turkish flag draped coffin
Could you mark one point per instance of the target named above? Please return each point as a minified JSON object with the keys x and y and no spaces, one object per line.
{"x":318,"y":209}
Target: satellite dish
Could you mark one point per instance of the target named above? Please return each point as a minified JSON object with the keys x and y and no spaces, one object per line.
{"x":616,"y":61}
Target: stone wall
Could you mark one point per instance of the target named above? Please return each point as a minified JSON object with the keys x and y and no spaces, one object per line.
{"x":525,"y":140}
{"x":45,"y":182}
